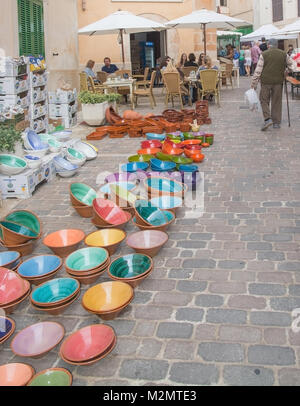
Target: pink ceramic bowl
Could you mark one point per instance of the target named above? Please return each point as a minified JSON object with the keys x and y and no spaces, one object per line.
{"x":109,"y":211}
{"x":147,"y":242}
{"x":15,"y":374}
{"x":12,"y":286}
{"x":87,"y":343}
{"x":37,"y":339}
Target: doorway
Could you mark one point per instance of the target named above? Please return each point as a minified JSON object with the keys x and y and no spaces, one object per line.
{"x":146,"y":50}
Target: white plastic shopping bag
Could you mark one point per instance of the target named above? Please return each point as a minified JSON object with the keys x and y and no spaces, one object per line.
{"x":252,"y":100}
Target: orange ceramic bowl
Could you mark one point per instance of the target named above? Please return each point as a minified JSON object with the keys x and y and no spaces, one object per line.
{"x":63,"y":242}
{"x":198,"y":157}
{"x":15,"y":374}
{"x":148,"y":151}
{"x":191,"y":142}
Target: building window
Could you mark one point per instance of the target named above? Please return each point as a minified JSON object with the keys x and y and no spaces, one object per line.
{"x":223,"y":3}
{"x":277,"y":10}
{"x":298,"y":8}
{"x":31,"y":27}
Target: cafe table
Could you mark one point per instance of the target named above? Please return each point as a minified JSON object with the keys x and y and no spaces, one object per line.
{"x":115,"y":83}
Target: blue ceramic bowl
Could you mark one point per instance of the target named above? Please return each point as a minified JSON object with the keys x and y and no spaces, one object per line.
{"x":164,"y":185}
{"x":188,"y":168}
{"x":157,"y":164}
{"x":151,"y":214}
{"x":39,"y":266}
{"x":134,"y":166}
{"x":9,"y":259}
{"x":125,"y":185}
{"x":166,"y":202}
{"x":5,"y":327}
{"x":62,"y":164}
{"x":32,"y":158}
{"x":55,"y":291}
{"x":153,"y":136}
{"x":35,"y":141}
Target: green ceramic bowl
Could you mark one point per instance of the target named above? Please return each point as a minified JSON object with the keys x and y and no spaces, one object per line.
{"x":163,"y":157}
{"x":84,"y":193}
{"x":18,"y":228}
{"x":25,"y":218}
{"x":12,"y":161}
{"x":52,"y":377}
{"x":86,"y":258}
{"x":181,"y":160}
{"x":75,"y":154}
{"x":130,"y":266}
{"x":151,"y":214}
{"x":188,"y":136}
{"x":140,"y":158}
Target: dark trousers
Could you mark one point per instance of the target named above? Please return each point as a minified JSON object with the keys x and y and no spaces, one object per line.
{"x":242,"y":68}
{"x":271,"y":94}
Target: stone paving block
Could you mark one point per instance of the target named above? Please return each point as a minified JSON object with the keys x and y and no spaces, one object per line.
{"x":221,"y":352}
{"x":247,"y":302}
{"x":180,"y":273}
{"x":144,"y":328}
{"x":227,"y":287}
{"x":191,"y":286}
{"x":172,"y":298}
{"x":243,"y":334}
{"x":270,"y":318}
{"x":236,"y":375}
{"x":144,"y":369}
{"x":199,"y":263}
{"x":271,"y":355}
{"x":225,"y":316}
{"x":275,"y":336}
{"x":204,"y":300}
{"x":157,"y":284}
{"x":121,"y":326}
{"x":152,"y":312}
{"x":289,"y":377}
{"x":294,"y":290}
{"x":126,"y":346}
{"x":289,"y":266}
{"x":210,"y":275}
{"x":267,"y":289}
{"x":285,"y":303}
{"x":259,"y":246}
{"x":277,"y":237}
{"x":180,"y":350}
{"x":201,"y":236}
{"x":149,"y":348}
{"x":192,"y":373}
{"x":243,"y":276}
{"x":230,"y":264}
{"x":191,"y":244}
{"x":205,"y":332}
{"x":174,"y":330}
{"x":273,"y":277}
{"x":189,"y":314}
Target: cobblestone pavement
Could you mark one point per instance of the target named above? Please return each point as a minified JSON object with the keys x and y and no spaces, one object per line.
{"x":217,"y":310}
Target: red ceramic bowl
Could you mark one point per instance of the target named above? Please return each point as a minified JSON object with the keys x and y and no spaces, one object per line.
{"x":151,"y":144}
{"x":88,"y":343}
{"x":197,"y":157}
{"x":148,"y":151}
{"x":172,"y":151}
{"x":109,"y":211}
{"x":193,"y":147}
{"x":12,"y":286}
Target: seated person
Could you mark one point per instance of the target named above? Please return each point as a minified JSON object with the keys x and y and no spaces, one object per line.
{"x":207,"y":64}
{"x":108,"y":66}
{"x":89,"y":70}
{"x":191,"y":61}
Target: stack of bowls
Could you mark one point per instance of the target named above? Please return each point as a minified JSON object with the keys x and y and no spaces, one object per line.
{"x":55,"y":296}
{"x":148,"y":242}
{"x":170,"y":218}
{"x":109,"y":238}
{"x":33,"y":162}
{"x":140,"y":158}
{"x":10,"y":259}
{"x":34,"y":145}
{"x":132,"y":269}
{"x":87,"y":149}
{"x":148,"y":215}
{"x":64,"y":168}
{"x":75,"y":157}
{"x":63,"y":242}
{"x":162,"y":166}
{"x":107,"y":299}
{"x":7,"y":328}
{"x":40,"y":269}
{"x":13,"y":290}
{"x":15,"y":374}
{"x":16,"y":234}
{"x":87,"y":264}
{"x":82,"y":196}
{"x":135,"y":166}
{"x":106,"y":214}
{"x":11,"y":164}
{"x":88,"y":345}
{"x":38,"y":339}
{"x":52,"y":377}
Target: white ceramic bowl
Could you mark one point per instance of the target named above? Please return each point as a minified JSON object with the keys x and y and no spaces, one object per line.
{"x":32,"y":163}
{"x":76,"y":161}
{"x":66,"y":174}
{"x":37,"y":152}
{"x":86,"y":149}
{"x":11,"y":169}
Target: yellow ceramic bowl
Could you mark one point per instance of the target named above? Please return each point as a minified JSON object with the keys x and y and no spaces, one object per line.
{"x":107,"y":296}
{"x":106,"y":238}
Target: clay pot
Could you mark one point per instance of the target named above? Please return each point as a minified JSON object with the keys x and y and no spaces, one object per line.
{"x":131,"y":115}
{"x":23,"y":249}
{"x":111,"y":116}
{"x":84,"y":211}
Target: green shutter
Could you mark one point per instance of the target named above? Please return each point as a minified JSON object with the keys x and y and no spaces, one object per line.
{"x":31,"y":27}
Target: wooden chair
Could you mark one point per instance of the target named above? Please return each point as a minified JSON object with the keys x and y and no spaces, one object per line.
{"x":174,"y":87}
{"x":295,"y":84}
{"x":188,"y":69}
{"x":146,"y":92}
{"x":83,"y":82}
{"x":124,"y":91}
{"x":209,"y":80}
{"x":144,"y":78}
{"x":102,"y":76}
{"x":94,"y":88}
{"x":226,"y":73}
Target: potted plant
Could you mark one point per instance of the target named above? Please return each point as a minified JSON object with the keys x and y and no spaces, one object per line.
{"x":10,"y":140}
{"x":94,"y":106}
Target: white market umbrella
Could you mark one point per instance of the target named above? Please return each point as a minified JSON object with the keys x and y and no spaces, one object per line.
{"x":293,"y":28}
{"x":223,"y":33}
{"x":121,"y":22}
{"x":206,"y":19}
{"x":264,"y":31}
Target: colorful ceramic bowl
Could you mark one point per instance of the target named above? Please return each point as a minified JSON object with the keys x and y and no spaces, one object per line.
{"x":121,"y":177}
{"x":148,"y":151}
{"x":11,"y":164}
{"x":88,"y":343}
{"x":38,"y":339}
{"x":140,"y":158}
{"x":191,"y":142}
{"x":153,"y":136}
{"x":63,"y":242}
{"x":188,"y":168}
{"x":151,"y":144}
{"x":55,"y":292}
{"x":167,"y":202}
{"x":164,"y":157}
{"x":107,"y":296}
{"x":7,"y":328}
{"x":170,"y":216}
{"x":73,"y":153}
{"x":14,"y":233}
{"x":87,"y":259}
{"x":120,"y":225}
{"x":181,"y":160}
{"x":15,"y":374}
{"x":107,"y":212}
{"x":148,"y":214}
{"x":130,"y":266}
{"x":62,"y":164}
{"x":148,"y":242}
{"x":12,"y":287}
{"x":134,"y":166}
{"x":122,"y":197}
{"x":109,"y":238}
{"x":25,"y":218}
{"x":157,"y":165}
{"x":163,"y":186}
{"x":9,"y":259}
{"x":105,"y":189}
{"x":82,"y":194}
{"x":40,"y":266}
{"x":88,"y":150}
{"x":52,"y":377}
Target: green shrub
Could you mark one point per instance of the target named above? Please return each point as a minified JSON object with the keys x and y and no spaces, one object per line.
{"x":87,"y":97}
{"x":9,"y":136}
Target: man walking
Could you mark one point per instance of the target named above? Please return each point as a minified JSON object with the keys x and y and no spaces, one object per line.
{"x":255,"y":54}
{"x":270,"y":71}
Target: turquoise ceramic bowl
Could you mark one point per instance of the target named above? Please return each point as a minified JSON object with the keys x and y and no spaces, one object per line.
{"x":19,"y":229}
{"x":134,"y":166}
{"x":55,"y":291}
{"x":166,"y":202}
{"x":152,"y":215}
{"x":188,"y":168}
{"x":86,"y":258}
{"x":39,"y":266}
{"x":159,"y":165}
{"x":11,"y":164}
{"x":75,"y":154}
{"x":164,"y":185}
{"x":83,"y":193}
{"x":130,"y":266}
{"x":154,"y":136}
{"x":25,"y":218}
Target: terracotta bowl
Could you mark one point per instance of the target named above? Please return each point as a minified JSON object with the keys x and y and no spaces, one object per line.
{"x":81,"y":194}
{"x":24,"y":249}
{"x":14,"y":234}
{"x":149,"y":215}
{"x":89,"y":279}
{"x":12,"y":287}
{"x":148,"y":151}
{"x":109,"y":238}
{"x":160,"y":186}
{"x":84,"y":211}
{"x":93,"y":272}
{"x":26,"y":218}
{"x":148,"y":242}
{"x":198,"y":157}
{"x":10,"y":308}
{"x":193,"y":147}
{"x":7,"y":328}
{"x":164,"y":227}
{"x":191,"y":142}
{"x":121,"y":226}
{"x":40,"y":267}
{"x":63,"y":242}
{"x":10,"y":259}
{"x":151,"y":144}
{"x":106,"y":212}
{"x":38,"y":339}
{"x":15,"y":374}
{"x":56,"y":310}
{"x":82,"y":261}
{"x":52,"y":377}
{"x":55,"y":292}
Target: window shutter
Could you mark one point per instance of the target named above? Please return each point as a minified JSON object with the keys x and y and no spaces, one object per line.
{"x":31,"y":27}
{"x":298,"y":8}
{"x":277,"y":7}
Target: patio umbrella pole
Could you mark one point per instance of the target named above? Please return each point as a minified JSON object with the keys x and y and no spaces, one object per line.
{"x":204,"y":37}
{"x":122,"y":43}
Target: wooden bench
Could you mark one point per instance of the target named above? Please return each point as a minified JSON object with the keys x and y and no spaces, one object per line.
{"x":294,"y":84}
